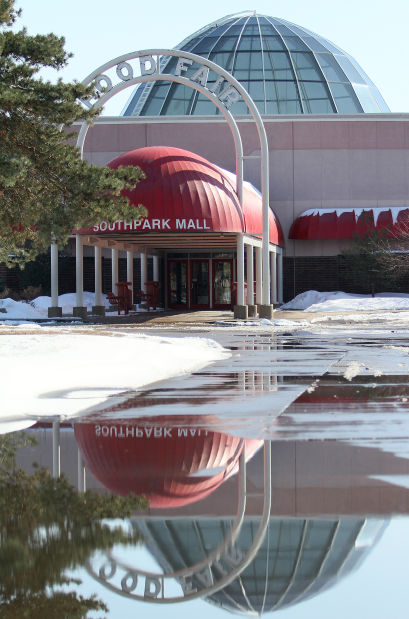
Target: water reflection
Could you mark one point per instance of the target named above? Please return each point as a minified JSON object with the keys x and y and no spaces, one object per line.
{"x":297,"y":559}
{"x":248,"y":525}
{"x":209,"y":541}
{"x":46,"y":527}
{"x":169,"y":460}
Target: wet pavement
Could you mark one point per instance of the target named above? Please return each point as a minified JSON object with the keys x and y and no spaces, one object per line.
{"x":330,"y":410}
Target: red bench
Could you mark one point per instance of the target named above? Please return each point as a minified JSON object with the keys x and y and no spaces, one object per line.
{"x":151,"y":295}
{"x":123,"y":300}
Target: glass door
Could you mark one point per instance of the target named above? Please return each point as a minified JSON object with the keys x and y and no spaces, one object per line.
{"x":177,"y":283}
{"x":222,"y":281}
{"x":199,"y":284}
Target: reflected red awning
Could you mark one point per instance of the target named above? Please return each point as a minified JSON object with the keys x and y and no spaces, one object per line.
{"x":172,"y":465}
{"x":344,"y":223}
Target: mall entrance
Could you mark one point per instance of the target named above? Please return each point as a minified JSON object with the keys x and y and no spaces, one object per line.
{"x":200,"y":282}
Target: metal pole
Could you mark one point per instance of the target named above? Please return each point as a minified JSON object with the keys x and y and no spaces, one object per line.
{"x":56,"y":449}
{"x":54,"y":275}
{"x":79,"y":271}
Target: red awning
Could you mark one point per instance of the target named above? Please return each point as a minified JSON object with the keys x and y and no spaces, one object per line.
{"x":172,"y":464}
{"x":184,"y":192}
{"x":344,"y":223}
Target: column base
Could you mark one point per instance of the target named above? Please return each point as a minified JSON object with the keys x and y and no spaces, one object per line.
{"x":98,"y":310}
{"x":266,"y":311}
{"x":241,"y":312}
{"x":252,"y":311}
{"x":54,"y":312}
{"x":79,"y":312}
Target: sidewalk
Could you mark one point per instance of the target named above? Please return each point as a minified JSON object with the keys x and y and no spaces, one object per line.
{"x":208,"y":317}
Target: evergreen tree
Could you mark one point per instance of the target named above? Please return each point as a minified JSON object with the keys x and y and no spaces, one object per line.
{"x":47,"y":528}
{"x":46,"y":190}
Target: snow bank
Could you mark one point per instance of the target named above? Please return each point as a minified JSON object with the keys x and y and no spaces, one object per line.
{"x":38,"y":308}
{"x":70,"y":373}
{"x":313,"y":301}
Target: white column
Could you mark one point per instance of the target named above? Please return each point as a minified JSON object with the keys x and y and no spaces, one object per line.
{"x":155,"y":268}
{"x":259,"y":275}
{"x":129,"y":266}
{"x":98,"y":275}
{"x":114,"y":270}
{"x":250,"y":274}
{"x":54,"y":275}
{"x":144,"y":269}
{"x":280,"y":276}
{"x":240,"y":269}
{"x":79,"y":272}
{"x":273,"y":274}
{"x":129,"y":270}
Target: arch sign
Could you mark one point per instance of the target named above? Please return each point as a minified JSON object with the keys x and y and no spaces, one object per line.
{"x":224,"y":91}
{"x":149,"y":65}
{"x":227,"y":561}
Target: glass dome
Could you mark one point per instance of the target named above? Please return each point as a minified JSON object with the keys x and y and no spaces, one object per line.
{"x":297,"y":559}
{"x":285,"y":68}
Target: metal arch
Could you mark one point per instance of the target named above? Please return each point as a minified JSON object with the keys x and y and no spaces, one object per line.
{"x":227,"y":578}
{"x":264,"y":157}
{"x":230,"y":538}
{"x":168,"y":77}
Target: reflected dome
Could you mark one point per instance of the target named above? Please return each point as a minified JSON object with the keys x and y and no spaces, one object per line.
{"x":172,"y":464}
{"x":285,"y":68}
{"x":297,"y":559}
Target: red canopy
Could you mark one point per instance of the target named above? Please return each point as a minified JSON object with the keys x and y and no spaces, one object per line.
{"x":325,"y":224}
{"x":184,"y":192}
{"x":172,"y":465}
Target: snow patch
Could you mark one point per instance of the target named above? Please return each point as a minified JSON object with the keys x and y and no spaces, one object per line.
{"x":68,"y":373}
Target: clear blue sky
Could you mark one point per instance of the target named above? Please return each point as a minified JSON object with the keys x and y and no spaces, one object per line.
{"x":372,"y":31}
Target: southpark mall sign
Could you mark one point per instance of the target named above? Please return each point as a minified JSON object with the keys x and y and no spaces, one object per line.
{"x":164,"y":224}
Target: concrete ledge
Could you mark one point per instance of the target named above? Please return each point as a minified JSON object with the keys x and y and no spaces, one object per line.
{"x":79,"y":312}
{"x":54,"y":312}
{"x":241,"y":312}
{"x":266,"y":311}
{"x":98,"y":310}
{"x":252,"y":311}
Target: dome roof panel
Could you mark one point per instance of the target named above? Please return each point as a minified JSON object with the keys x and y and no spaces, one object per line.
{"x":235,"y":42}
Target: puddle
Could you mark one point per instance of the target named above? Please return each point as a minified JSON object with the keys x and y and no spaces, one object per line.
{"x":325,"y":459}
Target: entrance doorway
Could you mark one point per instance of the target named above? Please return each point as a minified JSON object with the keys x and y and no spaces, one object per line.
{"x":177,"y":284}
{"x":222,"y":283}
{"x":200,"y":283}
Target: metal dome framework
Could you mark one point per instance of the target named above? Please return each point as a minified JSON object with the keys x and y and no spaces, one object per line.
{"x":285,"y":68}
